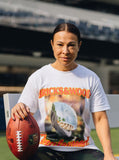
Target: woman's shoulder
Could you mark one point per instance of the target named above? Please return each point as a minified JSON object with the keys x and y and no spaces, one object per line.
{"x":41,"y":71}
{"x":84,"y":70}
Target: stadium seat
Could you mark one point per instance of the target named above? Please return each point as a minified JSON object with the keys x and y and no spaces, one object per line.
{"x":107,"y":32}
{"x":60,"y":20}
{"x":94,"y":30}
{"x":83,"y":27}
{"x":116,"y":34}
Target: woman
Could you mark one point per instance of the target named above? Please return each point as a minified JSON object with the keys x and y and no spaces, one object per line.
{"x":65,"y":93}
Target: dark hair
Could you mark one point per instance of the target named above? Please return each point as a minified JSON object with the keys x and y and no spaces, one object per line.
{"x":69,"y":27}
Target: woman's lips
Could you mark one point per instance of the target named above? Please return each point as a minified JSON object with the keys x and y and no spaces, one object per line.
{"x":65,"y":58}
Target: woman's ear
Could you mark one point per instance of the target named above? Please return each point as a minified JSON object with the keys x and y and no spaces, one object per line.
{"x":51,"y":42}
{"x":80,"y":43}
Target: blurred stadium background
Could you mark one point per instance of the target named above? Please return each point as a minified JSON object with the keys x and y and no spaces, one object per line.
{"x":25,"y":33}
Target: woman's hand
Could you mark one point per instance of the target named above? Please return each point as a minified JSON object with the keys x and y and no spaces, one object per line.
{"x":20,"y":110}
{"x":110,"y":157}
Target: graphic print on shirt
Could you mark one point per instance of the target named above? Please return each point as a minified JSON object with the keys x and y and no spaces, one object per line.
{"x":64,"y":124}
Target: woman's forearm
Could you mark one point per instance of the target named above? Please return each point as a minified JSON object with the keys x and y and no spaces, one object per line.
{"x":103,"y":131}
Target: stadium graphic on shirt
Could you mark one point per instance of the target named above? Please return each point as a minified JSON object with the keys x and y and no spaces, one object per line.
{"x":64,"y":125}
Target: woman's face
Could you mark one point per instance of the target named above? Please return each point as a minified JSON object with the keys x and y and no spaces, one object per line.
{"x":65,"y":46}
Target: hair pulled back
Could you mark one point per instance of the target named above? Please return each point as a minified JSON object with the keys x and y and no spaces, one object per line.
{"x":69,"y":27}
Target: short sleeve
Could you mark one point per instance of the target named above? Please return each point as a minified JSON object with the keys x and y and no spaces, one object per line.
{"x":98,"y":101}
{"x":29,"y":96}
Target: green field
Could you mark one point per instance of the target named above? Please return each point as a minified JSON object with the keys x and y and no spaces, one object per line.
{"x":114,"y":139}
{"x":5,"y":153}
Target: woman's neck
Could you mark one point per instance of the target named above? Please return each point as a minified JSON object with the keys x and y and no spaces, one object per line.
{"x":64,"y":68}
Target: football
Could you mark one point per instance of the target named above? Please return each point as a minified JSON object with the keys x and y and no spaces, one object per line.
{"x":23,"y":137}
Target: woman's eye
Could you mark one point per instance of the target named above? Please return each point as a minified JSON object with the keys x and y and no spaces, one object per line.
{"x":72,"y":45}
{"x":59,"y":44}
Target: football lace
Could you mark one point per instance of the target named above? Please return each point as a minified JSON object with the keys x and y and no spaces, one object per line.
{"x":19,"y":141}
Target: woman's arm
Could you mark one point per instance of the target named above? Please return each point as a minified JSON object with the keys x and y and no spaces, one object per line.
{"x":103,"y":131}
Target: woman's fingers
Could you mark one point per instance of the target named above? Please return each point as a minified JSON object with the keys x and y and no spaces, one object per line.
{"x":20,"y":110}
{"x":23,"y":110}
{"x":27,"y":109}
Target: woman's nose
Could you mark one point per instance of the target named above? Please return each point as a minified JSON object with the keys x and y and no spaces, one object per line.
{"x":65,"y":50}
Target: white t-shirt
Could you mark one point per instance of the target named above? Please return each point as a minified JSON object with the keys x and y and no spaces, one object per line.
{"x":65,"y":100}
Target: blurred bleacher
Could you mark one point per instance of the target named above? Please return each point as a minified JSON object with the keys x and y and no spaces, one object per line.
{"x":43,"y":16}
